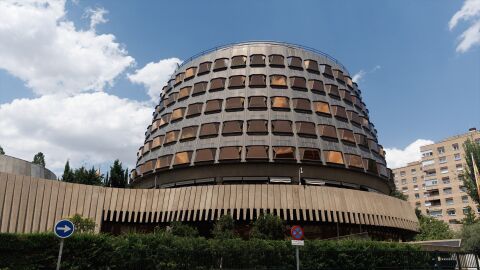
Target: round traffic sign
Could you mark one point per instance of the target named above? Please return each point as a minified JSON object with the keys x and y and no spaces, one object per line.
{"x":297,"y":232}
{"x":64,"y":228}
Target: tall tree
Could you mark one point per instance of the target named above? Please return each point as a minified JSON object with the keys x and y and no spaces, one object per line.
{"x":433,"y":229}
{"x":470,"y":217}
{"x":1,"y":151}
{"x":68,"y":173}
{"x":87,"y":177}
{"x":39,"y":159}
{"x":471,"y":148}
{"x":117,"y":175}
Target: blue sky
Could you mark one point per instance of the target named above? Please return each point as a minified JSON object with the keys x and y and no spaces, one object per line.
{"x":418,"y":80}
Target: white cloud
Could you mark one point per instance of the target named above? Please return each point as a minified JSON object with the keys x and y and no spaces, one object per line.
{"x":470,"y":11}
{"x":400,"y":157}
{"x":361,"y":74}
{"x":155,"y":75}
{"x":39,"y":45}
{"x":96,"y":15}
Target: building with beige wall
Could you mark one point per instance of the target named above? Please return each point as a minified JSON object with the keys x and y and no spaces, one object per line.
{"x":434,"y":184}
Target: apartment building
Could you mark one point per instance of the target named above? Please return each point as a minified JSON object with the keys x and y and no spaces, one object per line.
{"x":434,"y":184}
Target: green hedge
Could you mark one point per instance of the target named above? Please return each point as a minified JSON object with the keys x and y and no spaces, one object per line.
{"x":165,"y":251}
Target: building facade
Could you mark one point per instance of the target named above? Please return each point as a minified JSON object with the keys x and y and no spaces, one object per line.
{"x":9,"y":164}
{"x":434,"y":184}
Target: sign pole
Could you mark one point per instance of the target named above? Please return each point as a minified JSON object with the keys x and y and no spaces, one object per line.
{"x":296,"y":255}
{"x":60,"y":254}
{"x":63,"y":229}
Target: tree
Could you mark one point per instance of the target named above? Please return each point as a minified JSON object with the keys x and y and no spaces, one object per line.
{"x":179,"y":229}
{"x":224,"y":228}
{"x":433,"y":229}
{"x":82,"y":225}
{"x":470,"y":217}
{"x":471,"y":149}
{"x":268,"y":226}
{"x":1,"y":151}
{"x":399,"y":195}
{"x":117,"y":175}
{"x":39,"y":159}
{"x":68,"y":173}
{"x":87,"y":177}
{"x":470,"y":235}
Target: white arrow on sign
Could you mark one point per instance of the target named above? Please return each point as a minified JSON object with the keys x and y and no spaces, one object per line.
{"x":64,"y":229}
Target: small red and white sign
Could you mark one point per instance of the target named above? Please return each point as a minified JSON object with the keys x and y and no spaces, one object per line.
{"x":297,"y":233}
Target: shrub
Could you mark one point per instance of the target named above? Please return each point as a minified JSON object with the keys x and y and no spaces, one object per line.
{"x":82,"y":225}
{"x":224,"y":228}
{"x":180,"y":229}
{"x":268,"y":226}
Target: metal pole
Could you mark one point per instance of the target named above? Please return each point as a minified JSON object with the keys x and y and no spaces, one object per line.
{"x":300,"y":171}
{"x":298,"y":257}
{"x":60,"y":254}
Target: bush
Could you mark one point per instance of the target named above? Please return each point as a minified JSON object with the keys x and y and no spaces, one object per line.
{"x":224,"y":228}
{"x":180,"y":229}
{"x":471,"y":237}
{"x":82,"y":225}
{"x":268,"y":226}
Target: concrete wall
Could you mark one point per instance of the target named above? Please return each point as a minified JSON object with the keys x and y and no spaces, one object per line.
{"x":18,"y":166}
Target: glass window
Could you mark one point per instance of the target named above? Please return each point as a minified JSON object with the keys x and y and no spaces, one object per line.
{"x":345,"y":95}
{"x":305,"y":129}
{"x":332,"y":90}
{"x":178,"y":114}
{"x":278,"y":81}
{"x":182,"y":158}
{"x":321,"y":107}
{"x":230,"y":153}
{"x":217,"y":84}
{"x":373,"y":145}
{"x":282,"y":126}
{"x":257,"y":126}
{"x":346,"y":135}
{"x":164,"y":162}
{"x":309,"y":154}
{"x":361,"y":139}
{"x":234,"y":104}
{"x":220,"y":64}
{"x":334,"y":157}
{"x":257,"y":80}
{"x":455,"y":147}
{"x":257,"y":60}
{"x":232,"y":127}
{"x":370,"y":165}
{"x":354,"y":118}
{"x":194,"y":109}
{"x":295,"y":62}
{"x":171,"y":137}
{"x":298,"y":83}
{"x":214,"y":105}
{"x":284,"y":152}
{"x":311,"y":66}
{"x":171,"y":99}
{"x":236,"y":82}
{"x":184,"y":93}
{"x":179,"y":78}
{"x":327,"y":131}
{"x":204,"y":68}
{"x":354,"y":161}
{"x":165,"y":119}
{"x":327,"y":71}
{"x":302,"y":104}
{"x":257,"y":152}
{"x":189,"y":133}
{"x":205,"y":155}
{"x":157,"y":141}
{"x":209,"y":130}
{"x":316,"y":86}
{"x":190,"y":73}
{"x":257,"y":103}
{"x":339,"y":75}
{"x":199,"y":88}
{"x":339,"y":112}
{"x":239,"y":61}
{"x":276,"y":60}
{"x":280,"y":103}
{"x":146,"y":147}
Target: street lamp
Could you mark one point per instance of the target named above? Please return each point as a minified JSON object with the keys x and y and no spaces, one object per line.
{"x":300,"y":171}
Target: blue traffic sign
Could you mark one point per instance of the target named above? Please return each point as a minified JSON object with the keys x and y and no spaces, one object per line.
{"x":64,"y":228}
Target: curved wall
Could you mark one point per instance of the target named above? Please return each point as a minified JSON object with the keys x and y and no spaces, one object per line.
{"x":18,"y":166}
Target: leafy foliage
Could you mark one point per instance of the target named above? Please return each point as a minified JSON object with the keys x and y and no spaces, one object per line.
{"x":118,"y":176}
{"x":68,"y":173}
{"x":471,"y":149}
{"x":82,"y":225}
{"x":470,"y":217}
{"x":224,"y":228}
{"x":39,"y":159}
{"x":82,"y":175}
{"x":268,"y":226}
{"x":433,"y":229}
{"x":1,"y":151}
{"x":471,"y":237}
{"x":180,"y":229}
{"x":399,"y":195}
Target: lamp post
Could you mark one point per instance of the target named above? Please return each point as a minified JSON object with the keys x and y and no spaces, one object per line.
{"x":300,"y":171}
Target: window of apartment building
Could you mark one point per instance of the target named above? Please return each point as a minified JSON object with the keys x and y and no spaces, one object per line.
{"x":462,"y":188}
{"x":459,"y":167}
{"x":417,"y":196}
{"x":449,"y":201}
{"x":204,"y":68}
{"x":402,"y":173}
{"x":427,"y":153}
{"x":418,"y":204}
{"x":257,"y":103}
{"x":428,"y":162}
{"x":451,"y":212}
{"x":413,"y":171}
{"x":430,"y":173}
{"x":404,"y":181}
{"x":257,"y":60}
{"x":441,"y":150}
{"x":414,"y":180}
{"x":456,"y":157}
{"x":446,"y":180}
{"x":415,"y":187}
{"x":404,"y":189}
{"x":465,"y":210}
{"x":447,"y":190}
{"x":455,"y":147}
{"x":464,"y":199}
{"x":431,"y":182}
{"x":443,"y":170}
{"x":442,"y":160}
{"x":436,"y":213}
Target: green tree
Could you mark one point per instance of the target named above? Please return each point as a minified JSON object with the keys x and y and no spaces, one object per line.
{"x":180,"y":229}
{"x":39,"y":159}
{"x":433,"y":229}
{"x":399,"y":195}
{"x":470,"y":217}
{"x":470,"y":235}
{"x":224,"y":228}
{"x":82,"y":225}
{"x":471,"y":149}
{"x":117,"y":175}
{"x":1,"y":151}
{"x":87,"y":177}
{"x":268,"y":226}
{"x":68,"y":173}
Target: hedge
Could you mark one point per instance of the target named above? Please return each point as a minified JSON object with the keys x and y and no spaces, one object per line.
{"x":165,"y":251}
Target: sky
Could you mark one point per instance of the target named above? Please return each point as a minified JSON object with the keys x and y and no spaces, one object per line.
{"x":79,"y":79}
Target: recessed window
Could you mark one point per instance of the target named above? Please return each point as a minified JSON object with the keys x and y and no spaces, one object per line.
{"x":171,"y":137}
{"x":148,"y":166}
{"x":370,"y":165}
{"x":284,"y":152}
{"x":199,"y":88}
{"x":189,"y":133}
{"x":327,"y":71}
{"x":346,"y":135}
{"x":182,"y":158}
{"x":295,"y":62}
{"x":316,"y":86}
{"x":334,"y":157}
{"x":236,"y":82}
{"x":217,"y":84}
{"x":361,"y":139}
{"x":257,"y":126}
{"x":205,"y":155}
{"x":230,"y":153}
{"x":178,"y":114}
{"x":354,"y":161}
{"x":157,"y":141}
{"x":327,"y":131}
{"x":204,"y":68}
{"x":171,"y":99}
{"x":373,"y":145}
{"x":282,"y":127}
{"x":354,"y":118}
{"x":232,"y":127}
{"x":184,"y":93}
{"x":257,"y":60}
{"x":164,"y":162}
{"x":311,"y":66}
{"x":257,"y":103}
{"x":280,"y":103}
{"x":302,"y":104}
{"x":276,"y":60}
{"x":345,"y":95}
{"x":239,"y":61}
{"x":339,"y":75}
{"x":190,"y":73}
{"x":257,"y":80}
{"x":321,"y":107}
{"x":257,"y":152}
{"x":339,"y":112}
{"x":194,"y":109}
{"x":234,"y":104}
{"x":309,"y":154}
{"x":179,"y":78}
{"x":364,"y":121}
{"x":165,"y":119}
{"x":213,"y":106}
{"x":220,"y":64}
{"x":306,"y":129}
{"x":146,"y":147}
{"x":278,"y":81}
{"x":298,"y":83}
{"x":332,"y":90}
{"x":154,"y":125}
{"x":209,"y":130}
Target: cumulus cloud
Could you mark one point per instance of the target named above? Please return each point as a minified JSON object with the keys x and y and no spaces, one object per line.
{"x":39,"y":45}
{"x":155,"y":75}
{"x":470,"y":12}
{"x":361,"y":74}
{"x":96,"y":15}
{"x":400,"y":157}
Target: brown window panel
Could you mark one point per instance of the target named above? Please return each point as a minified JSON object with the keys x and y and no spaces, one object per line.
{"x":171,"y":137}
{"x":361,"y":139}
{"x":199,"y":88}
{"x":140,"y":152}
{"x":190,"y":73}
{"x":373,"y":145}
{"x":327,"y":131}
{"x":370,"y":165}
{"x":278,"y":81}
{"x":204,"y":68}
{"x":354,"y":161}
{"x":295,"y":62}
{"x":310,"y":154}
{"x":184,"y":93}
{"x":316,"y":86}
{"x":217,"y":84}
{"x":280,"y":103}
{"x":205,"y":155}
{"x":339,"y":112}
{"x":327,"y":71}
{"x":213,"y":105}
{"x":282,"y":126}
{"x":346,"y":96}
{"x":182,"y":158}
{"x":257,"y":60}
{"x":209,"y":130}
{"x":306,"y":129}
{"x":146,"y":147}
{"x":157,"y":141}
{"x":339,"y":75}
{"x":239,"y":61}
{"x":364,"y":121}
{"x":321,"y":107}
{"x":332,"y":90}
{"x":179,"y":78}
{"x":148,"y":166}
{"x":334,"y":157}
{"x":237,"y":81}
{"x":194,"y":109}
{"x":234,"y":104}
{"x":220,"y":64}
{"x":257,"y":103}
{"x":312,"y":66}
{"x":257,"y":80}
{"x":178,"y":114}
{"x":189,"y":133}
{"x":298,"y":83}
{"x":349,"y":82}
{"x":302,"y":104}
{"x":276,"y":60}
{"x":171,"y":99}
{"x":257,"y":126}
{"x":230,"y":153}
{"x":284,"y":152}
{"x":155,"y":125}
{"x":165,"y":119}
{"x":354,"y":117}
{"x":382,"y":170}
{"x":257,"y":152}
{"x":164,"y":162}
{"x":232,"y":127}
{"x":346,"y":135}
